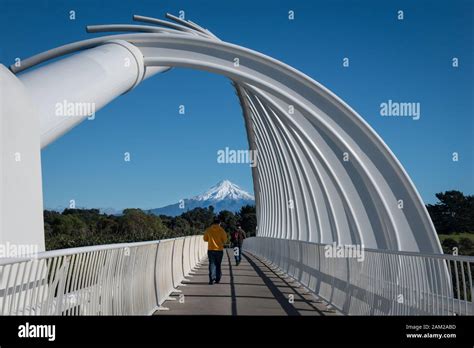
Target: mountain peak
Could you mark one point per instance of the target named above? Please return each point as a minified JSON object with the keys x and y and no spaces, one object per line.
{"x":225,"y":195}
{"x":224,"y":189}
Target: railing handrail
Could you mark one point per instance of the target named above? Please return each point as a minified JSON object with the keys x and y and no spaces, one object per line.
{"x":122,"y":278}
{"x":392,"y":283}
{"x":79,"y":250}
{"x":466,"y":258}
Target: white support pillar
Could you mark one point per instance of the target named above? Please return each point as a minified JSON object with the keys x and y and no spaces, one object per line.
{"x":21,"y":198}
{"x":39,"y":106}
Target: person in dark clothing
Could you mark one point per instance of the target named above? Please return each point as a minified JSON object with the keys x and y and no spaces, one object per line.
{"x":237,"y":240}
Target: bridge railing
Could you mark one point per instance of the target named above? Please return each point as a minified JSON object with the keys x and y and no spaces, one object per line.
{"x":371,"y":281}
{"x":116,"y":279}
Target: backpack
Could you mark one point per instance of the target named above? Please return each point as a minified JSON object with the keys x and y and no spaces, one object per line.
{"x":235,"y":237}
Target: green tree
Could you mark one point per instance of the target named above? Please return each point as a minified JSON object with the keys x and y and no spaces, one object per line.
{"x":136,"y":225}
{"x":181,"y":227}
{"x":247,"y":217}
{"x":466,"y":246}
{"x":199,"y":218}
{"x":453,"y":213}
{"x":228,"y":221}
{"x":448,"y":245}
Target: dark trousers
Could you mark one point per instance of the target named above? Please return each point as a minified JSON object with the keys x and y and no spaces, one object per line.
{"x":215,"y":260}
{"x":238,"y":253}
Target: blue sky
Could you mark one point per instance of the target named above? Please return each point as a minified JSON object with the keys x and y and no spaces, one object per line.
{"x":174,"y":156}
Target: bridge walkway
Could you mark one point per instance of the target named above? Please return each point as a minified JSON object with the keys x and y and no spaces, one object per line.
{"x":252,"y":288}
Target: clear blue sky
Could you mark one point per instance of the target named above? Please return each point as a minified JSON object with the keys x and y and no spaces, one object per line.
{"x":174,"y":156}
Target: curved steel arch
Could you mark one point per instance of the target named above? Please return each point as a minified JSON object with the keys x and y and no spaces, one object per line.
{"x":301,"y":131}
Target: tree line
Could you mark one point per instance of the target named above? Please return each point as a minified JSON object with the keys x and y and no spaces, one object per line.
{"x":452,"y":216}
{"x":83,"y":227}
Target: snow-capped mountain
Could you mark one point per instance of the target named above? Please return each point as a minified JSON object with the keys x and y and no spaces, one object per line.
{"x":224,"y":190}
{"x":223,"y":196}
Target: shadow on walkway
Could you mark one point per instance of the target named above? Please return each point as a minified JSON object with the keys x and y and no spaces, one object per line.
{"x":252,"y":288}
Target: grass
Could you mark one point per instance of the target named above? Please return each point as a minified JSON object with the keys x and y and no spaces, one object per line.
{"x":456,"y":236}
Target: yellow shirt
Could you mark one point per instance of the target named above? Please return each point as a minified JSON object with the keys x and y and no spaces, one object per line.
{"x":215,"y":237}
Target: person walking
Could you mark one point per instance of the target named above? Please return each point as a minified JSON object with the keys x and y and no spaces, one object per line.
{"x":216,"y":237}
{"x":237,"y":240}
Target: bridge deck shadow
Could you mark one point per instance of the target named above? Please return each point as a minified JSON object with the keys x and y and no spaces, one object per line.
{"x":251,"y":288}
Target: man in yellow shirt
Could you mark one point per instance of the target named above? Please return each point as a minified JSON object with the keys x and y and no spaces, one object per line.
{"x":215,"y":236}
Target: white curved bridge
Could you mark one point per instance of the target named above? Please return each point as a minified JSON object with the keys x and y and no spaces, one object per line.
{"x":323,"y":175}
